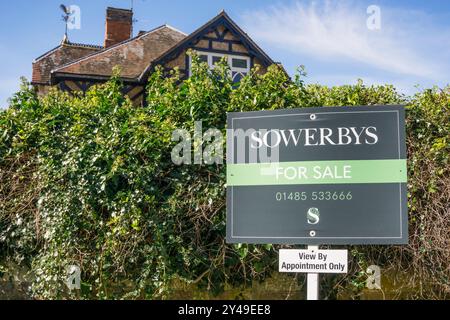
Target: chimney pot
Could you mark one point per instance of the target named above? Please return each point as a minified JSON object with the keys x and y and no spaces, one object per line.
{"x":119,"y":25}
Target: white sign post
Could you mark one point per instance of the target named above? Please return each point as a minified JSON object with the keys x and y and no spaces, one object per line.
{"x":313,"y":261}
{"x":312,"y":281}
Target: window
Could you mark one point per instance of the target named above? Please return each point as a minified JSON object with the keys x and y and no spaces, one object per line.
{"x":239,"y":65}
{"x":215,"y":59}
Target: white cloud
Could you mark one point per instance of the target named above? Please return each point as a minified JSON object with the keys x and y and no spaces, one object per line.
{"x":337,"y":30}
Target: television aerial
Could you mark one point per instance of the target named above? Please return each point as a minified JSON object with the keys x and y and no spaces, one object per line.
{"x":134,"y":21}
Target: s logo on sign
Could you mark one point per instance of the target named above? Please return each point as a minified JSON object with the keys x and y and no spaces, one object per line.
{"x":313,"y":216}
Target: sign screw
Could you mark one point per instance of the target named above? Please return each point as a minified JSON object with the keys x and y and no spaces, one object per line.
{"x":312,"y":233}
{"x":312,"y":116}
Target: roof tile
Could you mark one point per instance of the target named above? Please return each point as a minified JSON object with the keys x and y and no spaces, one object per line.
{"x":131,"y":55}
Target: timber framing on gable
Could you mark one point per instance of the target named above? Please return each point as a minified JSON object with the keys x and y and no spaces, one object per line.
{"x":220,"y":35}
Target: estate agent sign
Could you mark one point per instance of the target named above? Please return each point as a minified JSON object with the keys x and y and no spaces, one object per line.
{"x":330,"y":175}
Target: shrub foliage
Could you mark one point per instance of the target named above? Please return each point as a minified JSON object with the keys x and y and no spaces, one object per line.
{"x":88,"y":180}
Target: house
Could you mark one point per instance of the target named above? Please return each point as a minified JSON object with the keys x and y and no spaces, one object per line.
{"x":76,"y":67}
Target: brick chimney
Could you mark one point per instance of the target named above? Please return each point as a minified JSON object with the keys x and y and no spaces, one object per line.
{"x":119,"y":26}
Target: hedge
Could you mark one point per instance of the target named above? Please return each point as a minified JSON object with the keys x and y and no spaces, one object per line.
{"x":87,"y":180}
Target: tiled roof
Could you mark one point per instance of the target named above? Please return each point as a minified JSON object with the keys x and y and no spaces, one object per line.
{"x":59,"y":56}
{"x":132,"y":55}
{"x":84,"y":45}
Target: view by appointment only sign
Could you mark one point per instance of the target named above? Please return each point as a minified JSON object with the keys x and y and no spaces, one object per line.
{"x":330,"y":175}
{"x":313,"y":261}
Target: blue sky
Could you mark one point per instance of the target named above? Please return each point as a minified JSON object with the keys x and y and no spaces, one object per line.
{"x":331,"y":38}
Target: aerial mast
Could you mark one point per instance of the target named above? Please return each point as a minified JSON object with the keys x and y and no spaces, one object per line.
{"x":65,"y":18}
{"x":133,"y":21}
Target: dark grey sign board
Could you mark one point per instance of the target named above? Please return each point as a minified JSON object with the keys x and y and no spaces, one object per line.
{"x":329,"y":175}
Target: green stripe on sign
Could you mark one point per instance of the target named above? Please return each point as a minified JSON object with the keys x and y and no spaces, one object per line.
{"x":317,"y":172}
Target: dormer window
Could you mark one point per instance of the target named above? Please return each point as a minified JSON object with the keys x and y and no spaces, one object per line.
{"x":239,"y":65}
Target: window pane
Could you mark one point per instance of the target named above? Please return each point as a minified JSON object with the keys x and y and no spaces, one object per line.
{"x":237,"y":76}
{"x":239,"y":63}
{"x":215,"y":59}
{"x":203,"y":58}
